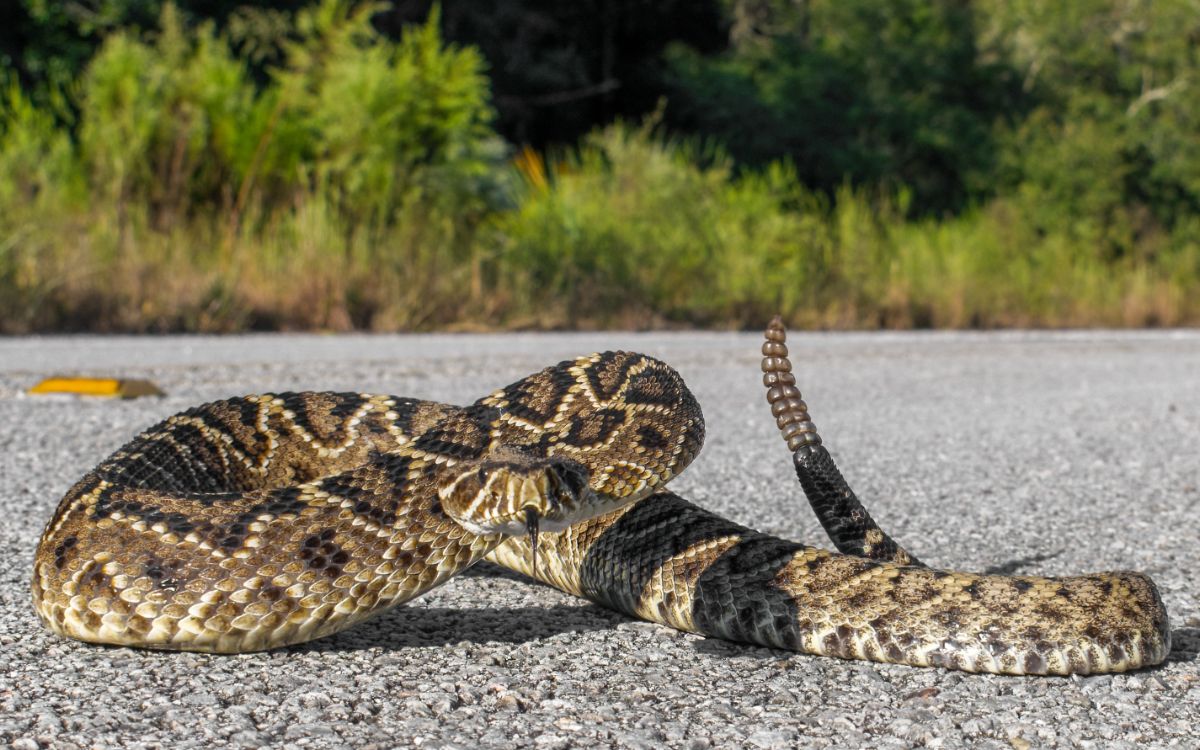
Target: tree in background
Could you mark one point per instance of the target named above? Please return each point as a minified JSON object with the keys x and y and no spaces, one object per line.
{"x":557,"y":69}
{"x":1090,"y":104}
{"x":560,"y":69}
{"x":888,"y":95}
{"x":49,"y":43}
{"x":1109,"y":149}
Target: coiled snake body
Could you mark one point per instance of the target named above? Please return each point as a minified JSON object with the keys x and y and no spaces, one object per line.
{"x":269,"y":520}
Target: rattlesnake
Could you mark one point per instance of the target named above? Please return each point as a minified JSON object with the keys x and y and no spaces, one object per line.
{"x":268,"y":520}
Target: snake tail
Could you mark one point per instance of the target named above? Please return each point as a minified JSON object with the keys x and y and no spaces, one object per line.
{"x":850,"y":527}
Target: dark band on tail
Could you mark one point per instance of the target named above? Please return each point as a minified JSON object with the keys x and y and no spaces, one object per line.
{"x":843,"y":517}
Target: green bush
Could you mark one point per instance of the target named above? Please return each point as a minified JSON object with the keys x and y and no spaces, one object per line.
{"x":631,"y":227}
{"x":361,"y":185}
{"x":178,"y":163}
{"x":177,"y":124}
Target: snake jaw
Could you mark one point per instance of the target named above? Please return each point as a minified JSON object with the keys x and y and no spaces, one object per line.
{"x":531,"y":527}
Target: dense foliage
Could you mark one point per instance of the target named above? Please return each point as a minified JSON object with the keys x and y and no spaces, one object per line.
{"x":216,"y":166}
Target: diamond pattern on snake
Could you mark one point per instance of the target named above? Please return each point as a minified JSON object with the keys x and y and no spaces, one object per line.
{"x":263,"y":521}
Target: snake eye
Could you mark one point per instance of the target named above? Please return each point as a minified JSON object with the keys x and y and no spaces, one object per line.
{"x":572,"y":478}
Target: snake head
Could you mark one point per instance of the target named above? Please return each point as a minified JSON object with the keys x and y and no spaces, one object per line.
{"x":513,"y":493}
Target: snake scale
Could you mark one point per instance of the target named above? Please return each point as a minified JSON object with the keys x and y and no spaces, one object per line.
{"x":270,"y":520}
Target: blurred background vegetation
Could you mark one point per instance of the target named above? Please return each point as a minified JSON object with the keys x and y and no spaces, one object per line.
{"x":218,"y":165}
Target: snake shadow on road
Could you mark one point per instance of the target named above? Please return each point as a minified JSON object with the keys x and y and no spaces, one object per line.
{"x":1185,"y":645}
{"x":423,"y":627}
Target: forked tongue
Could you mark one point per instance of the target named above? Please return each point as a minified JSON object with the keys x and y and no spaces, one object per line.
{"x":531,"y":526}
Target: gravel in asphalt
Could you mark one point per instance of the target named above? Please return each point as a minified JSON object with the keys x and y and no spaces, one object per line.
{"x":1037,"y":453}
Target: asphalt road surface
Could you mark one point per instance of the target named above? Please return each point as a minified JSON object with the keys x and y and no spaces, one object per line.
{"x":1038,"y":453}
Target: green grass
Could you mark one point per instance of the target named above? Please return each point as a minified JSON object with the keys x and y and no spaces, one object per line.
{"x":363,"y":188}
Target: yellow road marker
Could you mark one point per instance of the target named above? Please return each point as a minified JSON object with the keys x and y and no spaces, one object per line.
{"x":104,"y":387}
